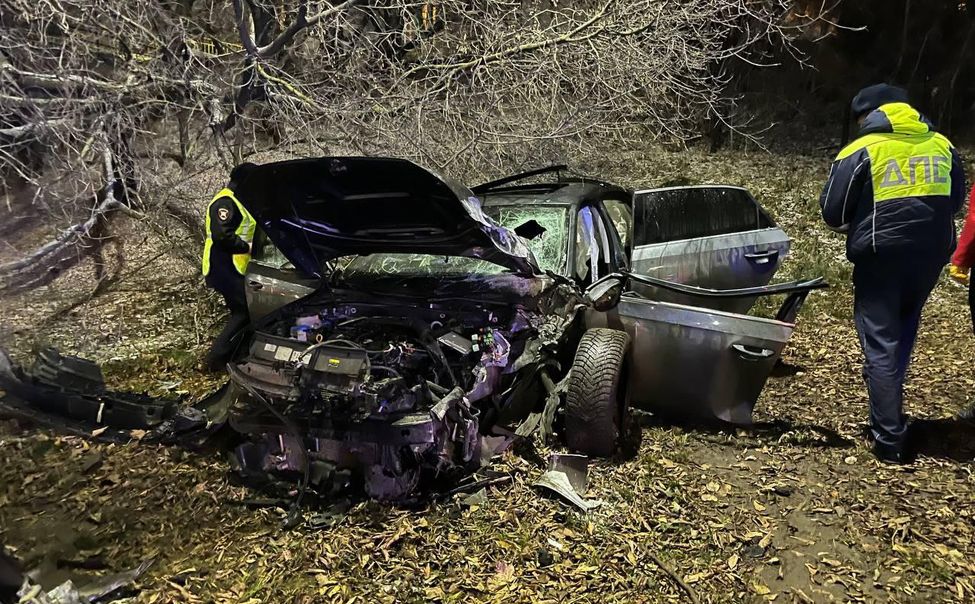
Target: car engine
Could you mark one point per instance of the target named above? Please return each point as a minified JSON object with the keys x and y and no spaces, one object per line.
{"x":395,"y":389}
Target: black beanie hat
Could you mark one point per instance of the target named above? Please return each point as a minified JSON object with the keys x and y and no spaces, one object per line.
{"x":874,"y":96}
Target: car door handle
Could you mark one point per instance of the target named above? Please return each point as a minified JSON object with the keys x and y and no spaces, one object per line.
{"x":763,"y":257}
{"x":255,"y":285}
{"x":752,"y":354}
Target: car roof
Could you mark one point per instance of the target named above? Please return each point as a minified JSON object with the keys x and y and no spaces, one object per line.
{"x":700,"y":186}
{"x":555,"y":194}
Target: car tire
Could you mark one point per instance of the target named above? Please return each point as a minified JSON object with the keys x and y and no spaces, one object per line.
{"x":595,"y":404}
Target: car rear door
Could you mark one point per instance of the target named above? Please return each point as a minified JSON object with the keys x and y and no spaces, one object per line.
{"x":271,"y":282}
{"x":716,"y":237}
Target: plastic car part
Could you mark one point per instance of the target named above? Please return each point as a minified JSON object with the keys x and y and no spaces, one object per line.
{"x":595,"y":404}
{"x":67,"y":372}
{"x":68,"y":593}
{"x":71,"y":387}
{"x":575,"y":467}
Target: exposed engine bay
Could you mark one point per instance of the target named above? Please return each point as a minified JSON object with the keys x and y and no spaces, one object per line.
{"x":398,"y":389}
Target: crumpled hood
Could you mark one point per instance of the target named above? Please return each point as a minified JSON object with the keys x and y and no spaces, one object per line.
{"x":898,"y":118}
{"x":315,"y":210}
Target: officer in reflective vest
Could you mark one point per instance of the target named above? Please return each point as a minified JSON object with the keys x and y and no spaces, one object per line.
{"x":894,"y":191}
{"x":226,"y":253}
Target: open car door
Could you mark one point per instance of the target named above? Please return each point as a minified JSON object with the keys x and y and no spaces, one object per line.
{"x":272,"y":281}
{"x":691,"y":361}
{"x":710,"y":236}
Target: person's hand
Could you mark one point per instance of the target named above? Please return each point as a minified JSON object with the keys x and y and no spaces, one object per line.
{"x":958,"y":274}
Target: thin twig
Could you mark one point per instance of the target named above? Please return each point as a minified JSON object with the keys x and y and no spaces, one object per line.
{"x":680,"y":582}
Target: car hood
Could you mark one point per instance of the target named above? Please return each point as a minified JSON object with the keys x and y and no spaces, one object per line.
{"x":315,"y":210}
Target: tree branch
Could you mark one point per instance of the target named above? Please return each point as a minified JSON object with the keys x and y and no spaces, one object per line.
{"x":286,"y":36}
{"x":45,"y":263}
{"x":16,"y":132}
{"x":243,"y":18}
{"x":328,"y":12}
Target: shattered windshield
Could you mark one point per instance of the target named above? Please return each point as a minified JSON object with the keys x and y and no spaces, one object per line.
{"x":551,"y":247}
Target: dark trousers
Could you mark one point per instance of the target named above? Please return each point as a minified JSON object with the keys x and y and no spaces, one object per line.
{"x":889,"y":294}
{"x":232,"y":289}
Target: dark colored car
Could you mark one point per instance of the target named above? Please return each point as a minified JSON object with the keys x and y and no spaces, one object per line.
{"x":409,"y":321}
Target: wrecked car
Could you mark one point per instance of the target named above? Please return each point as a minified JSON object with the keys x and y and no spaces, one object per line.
{"x":410,"y":319}
{"x":431,"y":324}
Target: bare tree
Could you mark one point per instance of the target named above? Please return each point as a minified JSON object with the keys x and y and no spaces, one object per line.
{"x":107,"y":105}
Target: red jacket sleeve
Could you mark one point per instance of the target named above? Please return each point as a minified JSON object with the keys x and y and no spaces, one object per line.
{"x":965,"y":252}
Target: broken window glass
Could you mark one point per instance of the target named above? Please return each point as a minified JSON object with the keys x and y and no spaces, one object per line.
{"x":586,"y":247}
{"x":551,"y":247}
{"x":687,"y":213}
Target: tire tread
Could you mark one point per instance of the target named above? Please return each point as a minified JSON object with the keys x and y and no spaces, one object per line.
{"x":593,"y":410}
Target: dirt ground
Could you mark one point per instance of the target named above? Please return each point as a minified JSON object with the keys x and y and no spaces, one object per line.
{"x":794,"y":510}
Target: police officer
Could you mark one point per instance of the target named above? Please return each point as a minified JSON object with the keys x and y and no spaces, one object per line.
{"x":226,"y":253}
{"x":894,"y":191}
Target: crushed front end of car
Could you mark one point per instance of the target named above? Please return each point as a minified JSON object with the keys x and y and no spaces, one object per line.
{"x":402,"y":392}
{"x":433,"y":328}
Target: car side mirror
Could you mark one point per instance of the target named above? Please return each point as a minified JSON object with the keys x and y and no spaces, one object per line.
{"x":605,"y":294}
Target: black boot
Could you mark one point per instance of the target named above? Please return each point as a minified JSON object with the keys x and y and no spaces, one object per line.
{"x":891,"y":454}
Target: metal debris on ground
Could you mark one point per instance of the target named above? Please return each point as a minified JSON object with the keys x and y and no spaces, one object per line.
{"x":567,"y":477}
{"x":69,"y":593}
{"x":329,"y":517}
{"x":575,"y":467}
{"x":475,"y":498}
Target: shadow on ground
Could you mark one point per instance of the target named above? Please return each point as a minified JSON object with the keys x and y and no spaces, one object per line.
{"x":798,"y":433}
{"x":951,"y":438}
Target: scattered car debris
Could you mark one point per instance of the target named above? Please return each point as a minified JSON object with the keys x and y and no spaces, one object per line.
{"x":477,"y":483}
{"x":330,"y":517}
{"x":91,"y":461}
{"x":575,"y":467}
{"x":476,"y":498}
{"x":100,"y":589}
{"x":73,"y":388}
{"x":568,"y":477}
{"x":558,"y":483}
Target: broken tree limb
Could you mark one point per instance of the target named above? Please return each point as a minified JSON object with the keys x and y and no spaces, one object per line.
{"x":282,"y":40}
{"x":245,"y":21}
{"x":17,"y":132}
{"x":286,"y":36}
{"x":243,"y":28}
{"x":73,"y":244}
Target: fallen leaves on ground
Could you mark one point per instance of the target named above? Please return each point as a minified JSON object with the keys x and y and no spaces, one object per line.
{"x":794,"y":510}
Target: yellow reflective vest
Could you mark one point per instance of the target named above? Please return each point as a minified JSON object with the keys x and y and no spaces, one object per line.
{"x":245,"y":230}
{"x":896,"y":188}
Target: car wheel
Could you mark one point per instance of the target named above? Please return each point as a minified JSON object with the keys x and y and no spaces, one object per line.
{"x":596,"y":404}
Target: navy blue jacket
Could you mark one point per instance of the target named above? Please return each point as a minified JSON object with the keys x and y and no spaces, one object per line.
{"x":896,"y":188}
